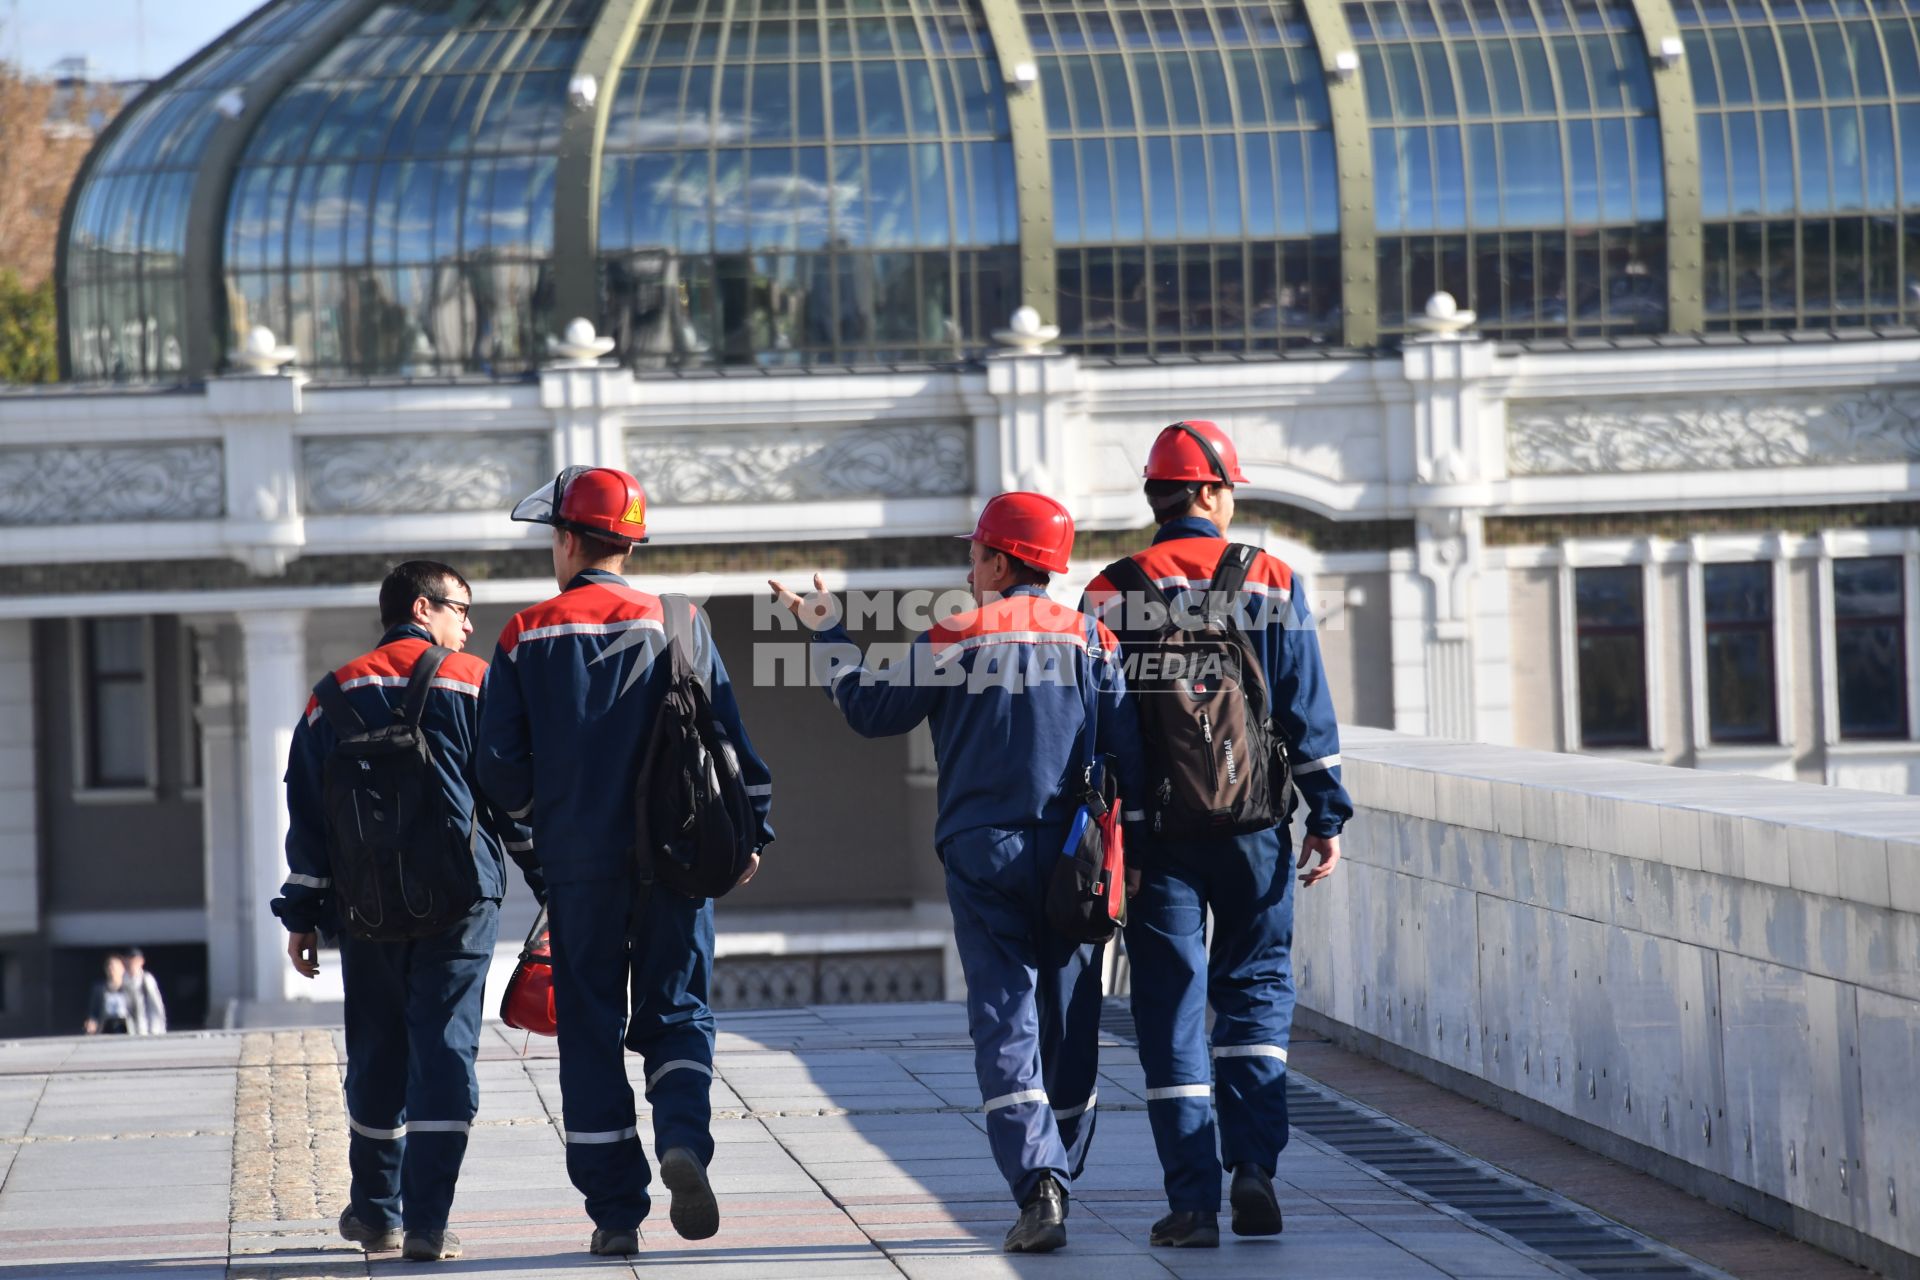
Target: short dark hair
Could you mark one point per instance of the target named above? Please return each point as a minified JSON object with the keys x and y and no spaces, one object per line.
{"x":408,"y":582}
{"x":600,"y":548}
{"x":1171,"y":499}
{"x":1025,"y":573}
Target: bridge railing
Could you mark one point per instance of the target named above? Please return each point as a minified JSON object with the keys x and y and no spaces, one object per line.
{"x":1716,"y":978}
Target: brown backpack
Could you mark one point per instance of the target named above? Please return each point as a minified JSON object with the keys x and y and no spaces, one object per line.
{"x":1214,"y":763}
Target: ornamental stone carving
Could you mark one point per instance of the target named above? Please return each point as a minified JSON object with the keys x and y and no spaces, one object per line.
{"x":1645,"y":433}
{"x":391,"y":475}
{"x":110,"y":484}
{"x":804,"y":464}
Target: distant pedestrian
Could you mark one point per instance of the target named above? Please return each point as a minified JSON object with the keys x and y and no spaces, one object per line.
{"x":143,"y":991}
{"x":111,"y":1010}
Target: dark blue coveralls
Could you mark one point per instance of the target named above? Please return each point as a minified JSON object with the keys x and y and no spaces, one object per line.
{"x":413,"y":1009}
{"x":1247,"y":882}
{"x":569,"y":708}
{"x":1005,"y":690}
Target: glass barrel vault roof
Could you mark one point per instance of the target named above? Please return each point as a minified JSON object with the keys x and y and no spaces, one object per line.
{"x":832,"y":182}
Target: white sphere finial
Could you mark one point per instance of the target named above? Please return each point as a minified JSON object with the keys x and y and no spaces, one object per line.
{"x":1443,"y":317}
{"x":262,"y":353}
{"x":578,"y":345}
{"x":1024,"y":331}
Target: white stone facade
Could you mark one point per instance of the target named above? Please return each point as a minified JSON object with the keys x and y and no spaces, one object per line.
{"x":1438,"y":502}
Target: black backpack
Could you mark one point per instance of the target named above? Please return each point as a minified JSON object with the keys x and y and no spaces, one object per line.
{"x":401,"y":867}
{"x":697,"y":829}
{"x":1215,"y":767}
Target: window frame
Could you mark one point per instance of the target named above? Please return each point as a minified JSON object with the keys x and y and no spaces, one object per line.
{"x":81,"y":688}
{"x":1706,"y":552}
{"x":1900,"y":544}
{"x":1640,"y":554}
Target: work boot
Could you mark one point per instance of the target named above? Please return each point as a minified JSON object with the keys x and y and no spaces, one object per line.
{"x":695,"y":1213}
{"x":372,"y":1239}
{"x":431,"y":1246}
{"x":1187,"y":1229}
{"x":610,"y":1244}
{"x":1042,"y":1227}
{"x":1256,"y":1209}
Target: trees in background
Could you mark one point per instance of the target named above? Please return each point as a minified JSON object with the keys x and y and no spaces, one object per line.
{"x":44,"y":135}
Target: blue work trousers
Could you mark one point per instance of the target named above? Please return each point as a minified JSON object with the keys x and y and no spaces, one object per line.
{"x":660,"y":969}
{"x":413,"y":1030}
{"x":1033,"y":1003}
{"x":1247,"y":883}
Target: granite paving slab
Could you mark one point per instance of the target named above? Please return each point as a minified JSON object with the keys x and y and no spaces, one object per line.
{"x":848,"y":1144}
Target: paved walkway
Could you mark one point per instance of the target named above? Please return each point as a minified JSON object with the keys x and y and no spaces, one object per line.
{"x":849,"y":1145}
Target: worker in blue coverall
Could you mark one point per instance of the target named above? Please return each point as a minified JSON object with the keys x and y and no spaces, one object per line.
{"x":1244,"y":881}
{"x":570,"y":704}
{"x":1008,"y":689}
{"x":412,"y":1007}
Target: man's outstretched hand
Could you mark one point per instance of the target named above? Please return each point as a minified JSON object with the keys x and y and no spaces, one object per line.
{"x":1328,"y":850}
{"x":818,"y":610}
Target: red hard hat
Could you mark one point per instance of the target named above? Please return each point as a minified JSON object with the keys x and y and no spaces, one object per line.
{"x":1194,"y":451}
{"x":1027,"y":526}
{"x":601,"y":502}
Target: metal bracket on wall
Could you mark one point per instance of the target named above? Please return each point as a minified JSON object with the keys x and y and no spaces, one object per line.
{"x":1032,"y":159}
{"x":204,"y":271}
{"x":1353,"y":159}
{"x":576,"y":179}
{"x":1680,"y":164}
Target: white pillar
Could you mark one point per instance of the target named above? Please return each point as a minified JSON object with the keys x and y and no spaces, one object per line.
{"x":274,"y":653}
{"x":586,"y":401}
{"x":1459,"y":454}
{"x":223,"y":817}
{"x":1020,"y":440}
{"x":257,"y":415}
{"x":19,"y":769}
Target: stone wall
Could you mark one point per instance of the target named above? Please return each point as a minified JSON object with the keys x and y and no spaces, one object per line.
{"x":1714,"y":977}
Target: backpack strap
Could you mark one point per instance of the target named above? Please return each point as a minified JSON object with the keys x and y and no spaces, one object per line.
{"x":1229,"y":580}
{"x":1127,"y":577}
{"x":346,"y":722}
{"x":420,"y":684}
{"x":676,"y":622}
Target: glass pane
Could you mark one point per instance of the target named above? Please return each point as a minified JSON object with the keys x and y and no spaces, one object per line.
{"x":1870,"y":663}
{"x":1613,"y":690}
{"x":118,"y":647}
{"x":1849,"y":176}
{"x":1163,"y":186}
{"x":1778,"y":165}
{"x":1868,"y":587}
{"x":1531,"y":165}
{"x":1738,"y":592}
{"x":1066,"y":193}
{"x":1608,"y":597}
{"x":1714,"y":197}
{"x":1740,"y":694}
{"x":1224,"y":161}
{"x":1816,"y":193}
{"x":120,"y":734}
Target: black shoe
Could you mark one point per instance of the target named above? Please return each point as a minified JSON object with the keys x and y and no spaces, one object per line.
{"x":1187,"y":1229}
{"x":372,"y":1239}
{"x":1256,"y":1209}
{"x":1042,"y":1227}
{"x":431,"y":1246}
{"x":695,"y":1213}
{"x":610,"y":1244}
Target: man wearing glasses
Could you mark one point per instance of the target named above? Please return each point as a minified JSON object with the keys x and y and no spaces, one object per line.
{"x":413,"y":1007}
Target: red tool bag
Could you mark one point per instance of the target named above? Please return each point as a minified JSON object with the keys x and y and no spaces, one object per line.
{"x":528,"y":1003}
